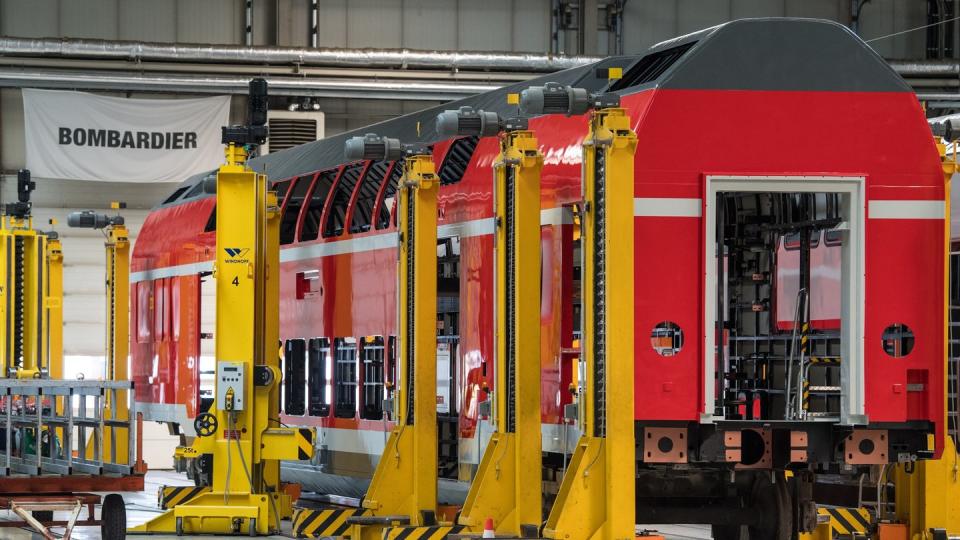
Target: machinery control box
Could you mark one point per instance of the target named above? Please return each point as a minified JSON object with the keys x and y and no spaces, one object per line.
{"x":230,"y":383}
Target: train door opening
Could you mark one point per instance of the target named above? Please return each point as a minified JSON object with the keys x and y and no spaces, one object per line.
{"x":783,"y":298}
{"x":208,"y":318}
{"x":448,"y":341}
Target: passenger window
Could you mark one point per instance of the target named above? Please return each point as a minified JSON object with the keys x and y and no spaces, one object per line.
{"x":345,"y":375}
{"x":318,"y":378}
{"x":341,"y":198}
{"x":144,"y":311}
{"x":389,"y":194}
{"x":372,"y":356}
{"x":160,"y":310}
{"x":294,"y":377}
{"x":457,"y":160}
{"x":175,"y":284}
{"x":311,"y":220}
{"x":291,"y":210}
{"x":367,"y":197}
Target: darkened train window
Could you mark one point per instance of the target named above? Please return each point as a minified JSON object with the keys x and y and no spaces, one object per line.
{"x":212,"y":220}
{"x":318,"y":377}
{"x":345,"y":377}
{"x":281,"y":189}
{"x":291,"y":210}
{"x":311,"y":220}
{"x":176,"y":195}
{"x":651,"y":66}
{"x":386,"y":203}
{"x":294,"y":377}
{"x":792,"y":241}
{"x":367,"y":197}
{"x":457,"y":160}
{"x":341,"y":198}
{"x":198,"y":187}
{"x":371,"y":354}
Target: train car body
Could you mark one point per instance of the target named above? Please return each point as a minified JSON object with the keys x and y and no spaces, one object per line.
{"x":750,"y":134}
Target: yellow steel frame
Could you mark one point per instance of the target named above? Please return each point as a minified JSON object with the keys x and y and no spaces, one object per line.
{"x":507,"y":487}
{"x":31,"y":362}
{"x":405,"y":480}
{"x":929,"y":497}
{"x":53,"y":304}
{"x":245,"y":495}
{"x":597,"y":492}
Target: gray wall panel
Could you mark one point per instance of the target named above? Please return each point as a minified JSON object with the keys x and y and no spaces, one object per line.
{"x":531,"y":25}
{"x":94,"y":19}
{"x":333,"y":23}
{"x":148,"y":20}
{"x":374,"y":23}
{"x":210,"y":21}
{"x":756,"y":8}
{"x":430,"y":24}
{"x":486,"y":25}
{"x":29,"y":18}
{"x":694,"y":15}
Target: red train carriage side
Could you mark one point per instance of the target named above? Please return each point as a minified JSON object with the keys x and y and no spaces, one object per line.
{"x":752,"y":136}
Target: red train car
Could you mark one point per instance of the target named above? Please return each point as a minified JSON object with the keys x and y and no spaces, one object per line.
{"x":753,"y":135}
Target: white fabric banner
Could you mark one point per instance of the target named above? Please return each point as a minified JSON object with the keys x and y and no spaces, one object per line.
{"x":80,"y":136}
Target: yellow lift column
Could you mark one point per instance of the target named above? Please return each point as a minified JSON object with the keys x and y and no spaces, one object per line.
{"x":53,"y":303}
{"x":22,"y":293}
{"x":507,"y":488}
{"x":403,"y":490}
{"x":117,"y":337}
{"x":245,"y":495}
{"x":597,"y":494}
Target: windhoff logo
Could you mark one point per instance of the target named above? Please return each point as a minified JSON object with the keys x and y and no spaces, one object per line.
{"x":236,"y":255}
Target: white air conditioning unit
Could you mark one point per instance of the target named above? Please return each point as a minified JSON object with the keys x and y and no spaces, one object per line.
{"x":292,"y":128}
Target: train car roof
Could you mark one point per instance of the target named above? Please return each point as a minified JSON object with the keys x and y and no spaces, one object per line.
{"x":766,"y":54}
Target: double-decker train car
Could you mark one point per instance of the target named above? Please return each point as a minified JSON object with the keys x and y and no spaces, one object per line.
{"x":753,"y":135}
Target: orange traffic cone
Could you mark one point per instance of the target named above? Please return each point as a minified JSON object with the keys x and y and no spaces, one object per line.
{"x":488,"y":528}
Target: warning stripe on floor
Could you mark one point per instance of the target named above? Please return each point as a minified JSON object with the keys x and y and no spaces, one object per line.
{"x":846,"y":521}
{"x":421,"y":533}
{"x":171,"y":496}
{"x":323,"y":522}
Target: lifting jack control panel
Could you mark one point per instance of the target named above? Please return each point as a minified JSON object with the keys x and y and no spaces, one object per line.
{"x":230,"y":377}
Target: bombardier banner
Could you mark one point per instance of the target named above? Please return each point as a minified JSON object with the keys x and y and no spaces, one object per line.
{"x":80,"y":136}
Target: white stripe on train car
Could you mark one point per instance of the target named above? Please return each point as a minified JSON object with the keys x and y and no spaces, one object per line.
{"x":667,"y":207}
{"x":906,"y":210}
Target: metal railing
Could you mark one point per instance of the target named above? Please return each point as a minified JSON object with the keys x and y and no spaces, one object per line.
{"x":74,"y":426}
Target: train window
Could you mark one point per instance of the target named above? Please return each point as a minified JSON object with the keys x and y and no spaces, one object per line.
{"x":144,"y":311}
{"x":291,"y":210}
{"x":371,"y":354}
{"x":311,"y":220}
{"x":457,"y":160}
{"x":197,"y":188}
{"x":160,"y":310}
{"x":667,"y":338}
{"x":898,"y":340}
{"x":281,"y":189}
{"x":176,"y":195}
{"x":294,"y":377}
{"x":341,"y":198}
{"x":791,"y":241}
{"x":833,"y":237}
{"x":345,"y":377}
{"x":389,"y":193}
{"x":651,"y":66}
{"x":211,"y":221}
{"x":175,"y":308}
{"x":318,"y":377}
{"x":367,"y":197}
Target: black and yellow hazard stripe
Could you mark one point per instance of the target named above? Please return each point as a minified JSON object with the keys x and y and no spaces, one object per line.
{"x":323,"y":522}
{"x":304,"y":444}
{"x":804,"y":350}
{"x":421,"y":533}
{"x":847,"y":521}
{"x":171,"y":496}
{"x":825,"y":360}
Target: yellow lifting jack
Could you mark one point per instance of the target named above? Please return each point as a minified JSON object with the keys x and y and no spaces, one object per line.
{"x":117,"y":346}
{"x":595,"y":501}
{"x":403,"y":490}
{"x":241,"y":431}
{"x":25,"y":294}
{"x":507,"y":487}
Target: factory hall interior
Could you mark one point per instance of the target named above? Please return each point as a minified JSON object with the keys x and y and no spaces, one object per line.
{"x":461,"y":269}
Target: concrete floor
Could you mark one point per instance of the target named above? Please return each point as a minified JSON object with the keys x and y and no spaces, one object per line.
{"x":142,"y":505}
